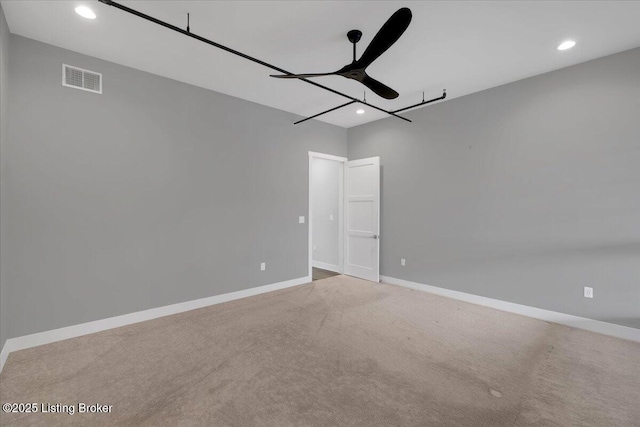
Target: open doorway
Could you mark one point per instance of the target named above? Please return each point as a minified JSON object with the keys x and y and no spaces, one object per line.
{"x":326,"y":205}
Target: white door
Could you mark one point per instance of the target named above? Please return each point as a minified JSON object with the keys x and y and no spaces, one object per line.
{"x":362,"y":218}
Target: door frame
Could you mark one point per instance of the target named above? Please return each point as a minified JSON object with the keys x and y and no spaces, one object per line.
{"x":342,"y":161}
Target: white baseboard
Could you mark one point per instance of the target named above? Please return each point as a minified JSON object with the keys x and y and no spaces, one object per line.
{"x":325,"y":266}
{"x":605,"y":328}
{"x":33,"y":340}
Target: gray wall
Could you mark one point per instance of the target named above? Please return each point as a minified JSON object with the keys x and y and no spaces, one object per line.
{"x":325,"y":186}
{"x":158,"y":192}
{"x":153,"y":193}
{"x":525,"y":193}
{"x":4,"y":131}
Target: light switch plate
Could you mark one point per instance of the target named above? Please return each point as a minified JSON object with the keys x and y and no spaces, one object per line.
{"x":403,"y":262}
{"x":263,"y":266}
{"x":588,"y":292}
{"x":301,"y":219}
{"x":331,"y":217}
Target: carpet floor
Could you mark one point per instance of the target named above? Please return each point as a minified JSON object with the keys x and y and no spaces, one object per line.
{"x":336,"y":352}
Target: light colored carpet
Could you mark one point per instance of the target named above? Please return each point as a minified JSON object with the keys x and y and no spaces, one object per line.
{"x":337,"y":352}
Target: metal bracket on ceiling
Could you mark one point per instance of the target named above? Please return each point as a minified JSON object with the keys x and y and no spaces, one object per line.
{"x":188,"y":33}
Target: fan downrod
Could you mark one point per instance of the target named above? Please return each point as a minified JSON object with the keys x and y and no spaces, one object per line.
{"x":354,"y":37}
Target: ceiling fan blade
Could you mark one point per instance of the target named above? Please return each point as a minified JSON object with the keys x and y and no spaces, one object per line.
{"x":300,"y":76}
{"x":386,"y":37}
{"x":380,"y":89}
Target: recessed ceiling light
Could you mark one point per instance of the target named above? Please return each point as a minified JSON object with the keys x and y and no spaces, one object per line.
{"x":85,"y":12}
{"x":566,"y":45}
{"x":360,"y":111}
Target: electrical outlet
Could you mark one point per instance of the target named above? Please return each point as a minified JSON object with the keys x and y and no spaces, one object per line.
{"x":403,"y":262}
{"x":331,"y":217}
{"x":263,"y":266}
{"x":301,"y":220}
{"x":588,"y":292}
{"x":315,"y":248}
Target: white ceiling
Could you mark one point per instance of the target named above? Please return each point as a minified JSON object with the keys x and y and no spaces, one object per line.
{"x":464,"y":47}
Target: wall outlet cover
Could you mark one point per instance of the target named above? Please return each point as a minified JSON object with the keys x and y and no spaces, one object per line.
{"x":588,"y":292}
{"x":403,"y":262}
{"x":301,"y":219}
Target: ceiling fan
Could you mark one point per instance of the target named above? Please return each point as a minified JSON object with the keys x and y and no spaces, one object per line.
{"x":383,"y":40}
